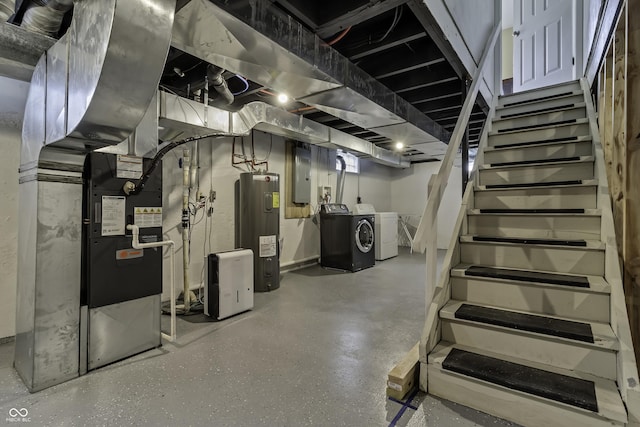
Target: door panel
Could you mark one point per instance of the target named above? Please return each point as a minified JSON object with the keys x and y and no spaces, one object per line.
{"x":543,"y":53}
{"x":528,"y":63}
{"x":553,"y":46}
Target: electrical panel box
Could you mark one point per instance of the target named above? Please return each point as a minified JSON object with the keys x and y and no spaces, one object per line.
{"x":302,"y":175}
{"x":228,"y":283}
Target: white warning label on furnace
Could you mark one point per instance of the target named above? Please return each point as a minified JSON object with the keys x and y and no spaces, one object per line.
{"x":147,"y":217}
{"x":267,"y":246}
{"x":129,"y":167}
{"x":113,"y":215}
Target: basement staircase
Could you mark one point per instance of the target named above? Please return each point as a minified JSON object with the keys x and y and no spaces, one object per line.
{"x":531,"y":323}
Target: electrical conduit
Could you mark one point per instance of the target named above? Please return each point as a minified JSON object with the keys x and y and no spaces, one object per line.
{"x":135,"y":243}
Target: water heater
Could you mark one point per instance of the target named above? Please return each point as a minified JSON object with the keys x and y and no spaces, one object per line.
{"x":258,"y":226}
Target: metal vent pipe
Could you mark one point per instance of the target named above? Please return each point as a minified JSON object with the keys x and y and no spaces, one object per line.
{"x":214,"y":74}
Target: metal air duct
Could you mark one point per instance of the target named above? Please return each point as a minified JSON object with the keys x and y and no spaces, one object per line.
{"x":89,"y":90}
{"x":265,"y":45}
{"x":180,"y":117}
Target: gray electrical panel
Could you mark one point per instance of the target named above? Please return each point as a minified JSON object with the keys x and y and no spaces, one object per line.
{"x":302,"y":175}
{"x":258,"y":226}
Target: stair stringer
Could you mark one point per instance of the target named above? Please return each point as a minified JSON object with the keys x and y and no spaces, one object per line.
{"x":627,"y":371}
{"x":432,"y":331}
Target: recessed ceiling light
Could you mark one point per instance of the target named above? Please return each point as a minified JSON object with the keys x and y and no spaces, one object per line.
{"x":283,"y":98}
{"x":399,"y":145}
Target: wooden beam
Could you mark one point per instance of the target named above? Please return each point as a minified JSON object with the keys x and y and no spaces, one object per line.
{"x":632,"y":208}
{"x":617,"y":140}
{"x":402,"y":378}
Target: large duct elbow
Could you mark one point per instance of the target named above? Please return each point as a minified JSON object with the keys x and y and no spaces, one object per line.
{"x":214,"y":74}
{"x":93,"y":87}
{"x":45,"y":16}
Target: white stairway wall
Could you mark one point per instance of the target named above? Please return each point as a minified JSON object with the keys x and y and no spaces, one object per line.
{"x":409,"y":197}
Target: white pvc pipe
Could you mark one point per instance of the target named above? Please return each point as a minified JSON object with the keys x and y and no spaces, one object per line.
{"x":186,"y":164}
{"x":135,"y":243}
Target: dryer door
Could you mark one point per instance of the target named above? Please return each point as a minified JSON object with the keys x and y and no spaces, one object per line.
{"x":364,"y":236}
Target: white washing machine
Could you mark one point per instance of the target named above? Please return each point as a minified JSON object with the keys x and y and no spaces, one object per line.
{"x":386,"y":230}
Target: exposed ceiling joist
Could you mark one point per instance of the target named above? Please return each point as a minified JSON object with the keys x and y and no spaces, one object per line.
{"x":355,"y":16}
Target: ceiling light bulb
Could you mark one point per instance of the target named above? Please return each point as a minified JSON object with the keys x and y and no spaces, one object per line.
{"x":399,"y":145}
{"x":283,"y":98}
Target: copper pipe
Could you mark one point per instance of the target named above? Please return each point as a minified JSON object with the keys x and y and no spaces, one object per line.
{"x":339,"y":37}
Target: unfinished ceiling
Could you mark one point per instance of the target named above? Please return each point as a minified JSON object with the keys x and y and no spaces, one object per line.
{"x":394,"y":42}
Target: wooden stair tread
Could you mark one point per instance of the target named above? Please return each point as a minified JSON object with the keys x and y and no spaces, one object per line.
{"x":557,"y":184}
{"x":573,"y":244}
{"x":562,"y":88}
{"x":610,"y":404}
{"x":510,"y":321}
{"x":528,"y":276}
{"x":536,"y":184}
{"x":555,"y":109}
{"x":540,"y":143}
{"x":579,"y":331}
{"x":551,"y":125}
{"x":536,"y":126}
{"x":532,"y":241}
{"x":536,"y":162}
{"x":572,"y":391}
{"x":536,"y":212}
{"x":595,"y":284}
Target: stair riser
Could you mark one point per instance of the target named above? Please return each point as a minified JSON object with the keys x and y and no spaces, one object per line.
{"x":534,"y":348}
{"x":540,"y":119}
{"x":533,"y":298}
{"x":511,"y":405}
{"x":583,"y":148}
{"x":572,"y":260}
{"x":538,"y":173}
{"x":526,"y":108}
{"x":536,"y":226}
{"x":538,"y":198}
{"x":540,"y":93}
{"x":580,"y":129}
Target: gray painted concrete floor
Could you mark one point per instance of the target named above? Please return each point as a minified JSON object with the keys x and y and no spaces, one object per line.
{"x":314,"y":352}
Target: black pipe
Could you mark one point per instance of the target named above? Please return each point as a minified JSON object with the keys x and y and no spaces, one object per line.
{"x":139,"y":186}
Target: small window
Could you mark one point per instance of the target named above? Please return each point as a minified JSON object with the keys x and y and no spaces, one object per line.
{"x":351,"y":160}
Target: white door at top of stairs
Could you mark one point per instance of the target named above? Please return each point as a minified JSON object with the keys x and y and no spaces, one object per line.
{"x":543,"y":43}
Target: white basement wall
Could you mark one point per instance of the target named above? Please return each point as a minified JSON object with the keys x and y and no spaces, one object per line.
{"x":301,"y":237}
{"x":409,"y":198}
{"x":14,"y":96}
{"x":388,"y":189}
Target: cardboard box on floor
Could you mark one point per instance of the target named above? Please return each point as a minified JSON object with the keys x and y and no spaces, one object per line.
{"x":404,"y":376}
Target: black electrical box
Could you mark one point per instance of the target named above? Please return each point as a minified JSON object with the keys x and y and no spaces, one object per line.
{"x":113,"y":271}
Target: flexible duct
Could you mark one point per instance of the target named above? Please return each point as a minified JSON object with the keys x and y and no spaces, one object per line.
{"x":214,"y":74}
{"x":6,"y":9}
{"x":45,"y":16}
